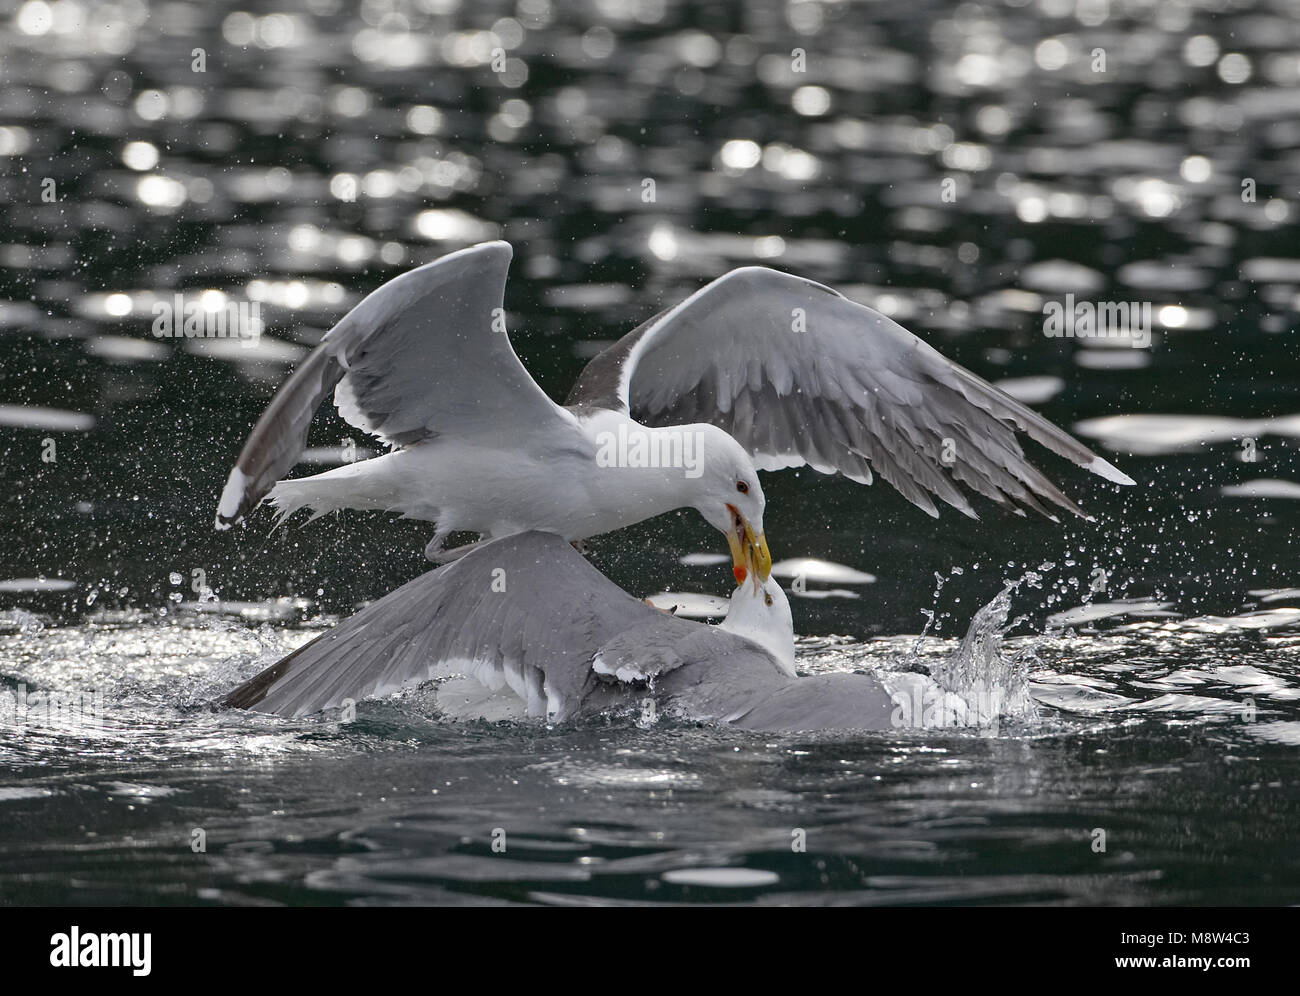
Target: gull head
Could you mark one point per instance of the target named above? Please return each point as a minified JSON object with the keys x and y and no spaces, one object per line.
{"x":761,"y":614}
{"x":730,"y":498}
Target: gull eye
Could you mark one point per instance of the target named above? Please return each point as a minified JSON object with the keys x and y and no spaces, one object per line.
{"x":742,"y":487}
{"x":767,"y":598}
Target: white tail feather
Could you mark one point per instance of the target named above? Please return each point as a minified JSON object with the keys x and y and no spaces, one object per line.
{"x":343,"y":487}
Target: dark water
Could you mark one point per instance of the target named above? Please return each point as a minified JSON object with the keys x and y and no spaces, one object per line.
{"x":327,"y":147}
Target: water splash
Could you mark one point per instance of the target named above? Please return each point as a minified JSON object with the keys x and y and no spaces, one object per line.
{"x":978,"y":684}
{"x":993,"y":684}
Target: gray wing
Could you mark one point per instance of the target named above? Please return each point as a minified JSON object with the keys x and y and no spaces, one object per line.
{"x":741,"y":686}
{"x":801,"y":375}
{"x":707,"y":673}
{"x":526,"y":610}
{"x":822,"y":702}
{"x":424,"y":354}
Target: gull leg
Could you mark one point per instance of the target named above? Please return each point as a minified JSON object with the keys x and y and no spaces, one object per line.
{"x":435,"y":548}
{"x":443,"y":555}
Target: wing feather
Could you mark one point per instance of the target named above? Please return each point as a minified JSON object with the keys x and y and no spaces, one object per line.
{"x":424,"y":354}
{"x":799,"y":375}
{"x":555,"y":613}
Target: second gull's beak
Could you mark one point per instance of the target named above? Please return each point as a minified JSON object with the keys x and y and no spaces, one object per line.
{"x":750,"y":556}
{"x":762,"y":559}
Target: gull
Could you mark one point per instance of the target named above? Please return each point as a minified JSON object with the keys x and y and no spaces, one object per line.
{"x":758,"y":370}
{"x":529,"y":616}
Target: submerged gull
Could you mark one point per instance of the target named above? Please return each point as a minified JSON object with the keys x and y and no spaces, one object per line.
{"x":759,"y":369}
{"x":529,"y":615}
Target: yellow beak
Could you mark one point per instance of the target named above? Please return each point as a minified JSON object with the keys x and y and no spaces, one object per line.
{"x":750,"y":556}
{"x":762,"y":557}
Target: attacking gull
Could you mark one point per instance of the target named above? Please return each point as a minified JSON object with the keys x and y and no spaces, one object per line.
{"x":569,"y":643}
{"x":758,"y":369}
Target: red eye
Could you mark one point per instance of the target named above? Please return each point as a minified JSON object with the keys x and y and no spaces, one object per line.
{"x":742,"y":487}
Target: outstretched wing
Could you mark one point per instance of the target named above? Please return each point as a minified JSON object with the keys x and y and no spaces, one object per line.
{"x":424,"y":354}
{"x":799,"y":374}
{"x":526,"y":611}
{"x":529,"y":612}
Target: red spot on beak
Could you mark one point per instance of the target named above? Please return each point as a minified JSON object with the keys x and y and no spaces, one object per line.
{"x":740,"y":573}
